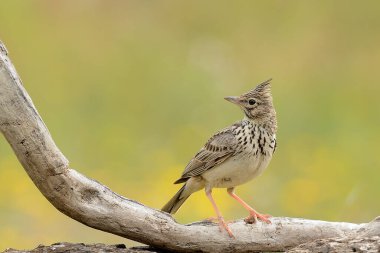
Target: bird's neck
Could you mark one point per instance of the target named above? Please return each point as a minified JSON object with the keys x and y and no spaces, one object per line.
{"x":269,"y":123}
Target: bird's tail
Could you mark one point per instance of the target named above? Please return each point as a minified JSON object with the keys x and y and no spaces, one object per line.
{"x":176,"y":202}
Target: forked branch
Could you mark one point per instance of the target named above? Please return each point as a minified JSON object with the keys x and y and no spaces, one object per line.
{"x":96,"y":206}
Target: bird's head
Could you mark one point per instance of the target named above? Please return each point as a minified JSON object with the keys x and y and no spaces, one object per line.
{"x":257,"y":104}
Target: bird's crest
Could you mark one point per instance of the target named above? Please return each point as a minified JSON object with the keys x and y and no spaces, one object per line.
{"x":263,"y":90}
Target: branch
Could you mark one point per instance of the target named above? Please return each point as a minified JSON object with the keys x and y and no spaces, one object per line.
{"x":64,"y":247}
{"x":340,"y":245}
{"x":96,"y":206}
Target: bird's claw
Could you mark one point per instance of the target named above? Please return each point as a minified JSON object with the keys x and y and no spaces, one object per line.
{"x":254,"y":217}
{"x":216,"y":220}
{"x":212,"y":219}
{"x":223,"y":226}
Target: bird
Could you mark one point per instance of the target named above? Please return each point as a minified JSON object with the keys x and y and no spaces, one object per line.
{"x":234,"y":155}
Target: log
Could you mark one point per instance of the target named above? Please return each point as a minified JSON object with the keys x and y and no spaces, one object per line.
{"x":64,"y":247}
{"x":340,"y":245}
{"x":95,"y":205}
{"x":330,"y":245}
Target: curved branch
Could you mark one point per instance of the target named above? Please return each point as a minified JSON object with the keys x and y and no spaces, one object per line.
{"x":95,"y":205}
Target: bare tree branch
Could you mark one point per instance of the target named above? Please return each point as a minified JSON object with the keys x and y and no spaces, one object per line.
{"x":95,"y":205}
{"x":340,"y":245}
{"x":64,"y":247}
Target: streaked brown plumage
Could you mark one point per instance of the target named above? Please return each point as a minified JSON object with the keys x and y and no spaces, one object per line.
{"x":234,"y":155}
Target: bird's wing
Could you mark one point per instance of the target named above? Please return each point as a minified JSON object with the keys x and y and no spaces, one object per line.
{"x":217,"y":150}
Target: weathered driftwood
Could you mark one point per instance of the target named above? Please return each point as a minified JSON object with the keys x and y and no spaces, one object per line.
{"x":340,"y":245}
{"x":330,"y":245}
{"x":95,"y":205}
{"x":64,"y":247}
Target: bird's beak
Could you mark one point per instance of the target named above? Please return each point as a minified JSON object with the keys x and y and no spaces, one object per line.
{"x":234,"y":100}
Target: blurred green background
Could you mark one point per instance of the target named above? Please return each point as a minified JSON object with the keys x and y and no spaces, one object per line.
{"x":130,"y":91}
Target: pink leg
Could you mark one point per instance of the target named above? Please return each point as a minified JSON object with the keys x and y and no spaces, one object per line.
{"x":222,"y":223}
{"x":253,"y":214}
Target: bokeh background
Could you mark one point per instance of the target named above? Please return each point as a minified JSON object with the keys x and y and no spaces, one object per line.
{"x":130,"y":90}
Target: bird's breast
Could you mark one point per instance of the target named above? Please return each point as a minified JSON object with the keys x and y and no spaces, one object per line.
{"x":253,"y":154}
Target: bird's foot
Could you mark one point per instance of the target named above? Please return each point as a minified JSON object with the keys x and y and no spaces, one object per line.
{"x":224,"y":226}
{"x":254,"y":216}
{"x":216,"y":220}
{"x":212,"y":219}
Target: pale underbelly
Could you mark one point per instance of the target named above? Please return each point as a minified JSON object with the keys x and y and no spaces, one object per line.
{"x":236,"y":171}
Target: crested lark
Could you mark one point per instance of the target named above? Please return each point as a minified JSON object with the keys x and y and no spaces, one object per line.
{"x":234,"y":155}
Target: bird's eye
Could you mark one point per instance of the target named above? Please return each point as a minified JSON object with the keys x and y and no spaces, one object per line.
{"x":251,"y":101}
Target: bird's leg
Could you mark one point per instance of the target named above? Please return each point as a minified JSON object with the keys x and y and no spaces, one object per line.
{"x":222,"y":223}
{"x":253,"y":214}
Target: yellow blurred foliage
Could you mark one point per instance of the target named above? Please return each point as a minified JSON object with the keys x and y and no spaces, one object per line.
{"x":301,"y":196}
